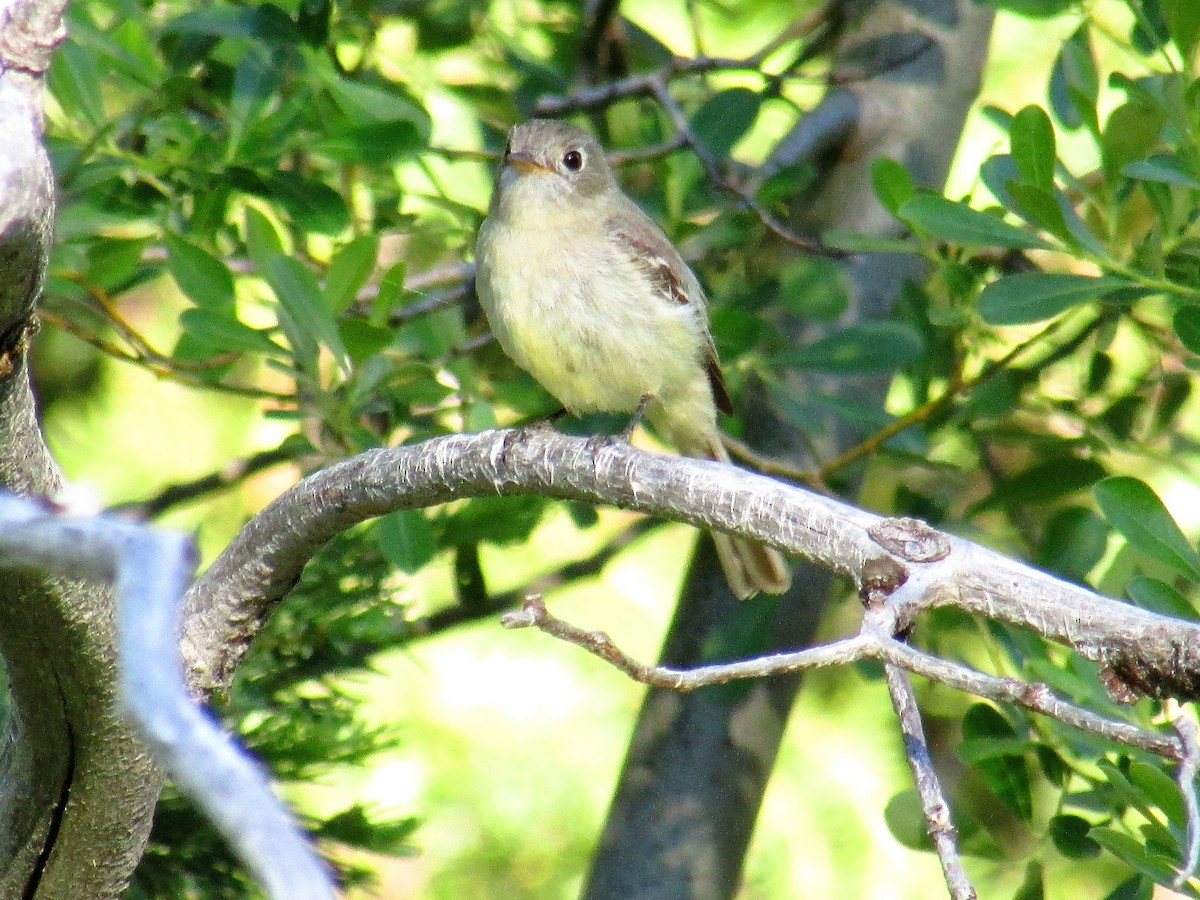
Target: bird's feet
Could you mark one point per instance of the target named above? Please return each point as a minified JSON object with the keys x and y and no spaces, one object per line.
{"x":598,"y":442}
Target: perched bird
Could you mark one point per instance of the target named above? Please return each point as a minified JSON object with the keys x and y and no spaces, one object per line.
{"x":589,"y":296}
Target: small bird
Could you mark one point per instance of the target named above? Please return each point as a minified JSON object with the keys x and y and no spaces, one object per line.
{"x":590,"y":297}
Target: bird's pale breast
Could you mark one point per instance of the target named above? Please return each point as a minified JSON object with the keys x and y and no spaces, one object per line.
{"x":585,"y":320}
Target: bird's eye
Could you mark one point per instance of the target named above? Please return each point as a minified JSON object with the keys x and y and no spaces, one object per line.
{"x":573,"y":160}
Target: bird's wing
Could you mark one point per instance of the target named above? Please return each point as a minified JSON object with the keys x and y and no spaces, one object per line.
{"x":674,"y":282}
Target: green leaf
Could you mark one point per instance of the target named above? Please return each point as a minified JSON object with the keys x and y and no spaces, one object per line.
{"x":365,"y":104}
{"x":1039,"y":206}
{"x":223,"y":332}
{"x":1132,"y":852}
{"x":1070,"y":836}
{"x":363,"y":340}
{"x":265,"y":22}
{"x":262,"y":239}
{"x":1073,"y":542}
{"x":855,"y":242}
{"x":1187,"y":326}
{"x":1075,"y":82}
{"x":1130,"y":133}
{"x":1006,"y":775}
{"x":960,"y":224}
{"x":812,"y":288}
{"x":725,"y":118}
{"x":1035,"y":296}
{"x":301,"y":300}
{"x":1183,"y":22}
{"x":1032,"y":140}
{"x":203,"y":278}
{"x":391,"y":292}
{"x":313,"y":205}
{"x":370,"y":145}
{"x":1161,"y":789}
{"x":256,"y":79}
{"x":406,"y":538}
{"x":870,"y":347}
{"x":906,"y":821}
{"x":1159,"y":597}
{"x":350,"y":270}
{"x":1136,"y":887}
{"x":1161,"y":167}
{"x":1046,"y":482}
{"x":1135,"y":512}
{"x":74,"y":83}
{"x":893,"y":185}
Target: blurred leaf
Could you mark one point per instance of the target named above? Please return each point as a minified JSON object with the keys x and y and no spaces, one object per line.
{"x":1040,"y":207}
{"x":1132,"y":852}
{"x":1036,"y":296}
{"x":1134,"y":511}
{"x":368,"y":105}
{"x":312,"y":18}
{"x":1130,"y":134}
{"x":222,"y":331}
{"x":301,"y":298}
{"x":1073,"y":542}
{"x":1033,"y":150}
{"x":870,"y":347}
{"x":1159,"y":597}
{"x":1183,"y":22}
{"x":205,"y":280}
{"x":262,"y":239}
{"x":1149,"y":30}
{"x":1006,"y":775}
{"x":264,"y":22}
{"x":960,"y":224}
{"x":722,"y":121}
{"x":1070,"y":836}
{"x":855,"y":242}
{"x":73,"y":82}
{"x":349,"y":271}
{"x":406,"y":539}
{"x":1161,"y":789}
{"x":1075,"y":83}
{"x":1033,"y":9}
{"x":1137,"y":887}
{"x":256,"y":80}
{"x":361,"y":339}
{"x":893,"y":185}
{"x":370,"y":145}
{"x":1162,"y":167}
{"x":1046,"y":482}
{"x":313,"y":206}
{"x":354,"y":828}
{"x":391,"y":291}
{"x":906,"y":821}
{"x":813,"y":288}
{"x":493,"y":520}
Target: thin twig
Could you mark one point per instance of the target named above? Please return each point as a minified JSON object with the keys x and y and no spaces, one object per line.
{"x":230,"y":475}
{"x":929,"y":788}
{"x":1185,"y":777}
{"x":160,"y":369}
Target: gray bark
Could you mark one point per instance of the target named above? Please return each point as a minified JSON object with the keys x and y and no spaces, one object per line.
{"x":76,"y":790}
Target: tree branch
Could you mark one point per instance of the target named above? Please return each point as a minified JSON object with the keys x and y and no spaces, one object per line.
{"x":224,"y":607}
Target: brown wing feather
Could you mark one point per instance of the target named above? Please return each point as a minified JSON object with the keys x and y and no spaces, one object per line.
{"x":665,"y":270}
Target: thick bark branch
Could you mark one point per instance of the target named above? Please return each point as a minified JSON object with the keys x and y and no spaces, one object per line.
{"x":224,"y":608}
{"x":76,"y":789}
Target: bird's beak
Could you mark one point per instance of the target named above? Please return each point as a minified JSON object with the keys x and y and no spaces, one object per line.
{"x":524,"y":161}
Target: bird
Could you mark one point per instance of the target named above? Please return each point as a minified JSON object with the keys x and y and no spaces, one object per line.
{"x":586,"y":293}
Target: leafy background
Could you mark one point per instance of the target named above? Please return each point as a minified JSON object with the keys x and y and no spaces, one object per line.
{"x":246,"y":191}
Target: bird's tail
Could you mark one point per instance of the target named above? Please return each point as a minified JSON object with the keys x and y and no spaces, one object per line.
{"x":749,"y":567}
